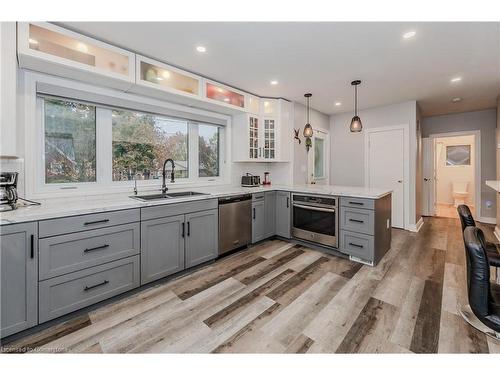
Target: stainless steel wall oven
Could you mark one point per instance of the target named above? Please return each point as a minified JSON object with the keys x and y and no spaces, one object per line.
{"x":315,"y":219}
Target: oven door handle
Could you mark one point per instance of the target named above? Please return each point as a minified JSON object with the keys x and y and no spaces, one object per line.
{"x":313,"y":208}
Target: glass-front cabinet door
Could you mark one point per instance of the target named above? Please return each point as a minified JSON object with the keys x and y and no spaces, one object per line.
{"x":269,"y":138}
{"x":165,"y":77}
{"x":224,"y":94}
{"x":61,"y":47}
{"x":253,"y":137}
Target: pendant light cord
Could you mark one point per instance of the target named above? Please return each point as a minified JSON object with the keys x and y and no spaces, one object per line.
{"x":356,"y":100}
{"x":308,"y":110}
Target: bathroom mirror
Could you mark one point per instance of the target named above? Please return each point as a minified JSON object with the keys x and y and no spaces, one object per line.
{"x":457,"y":155}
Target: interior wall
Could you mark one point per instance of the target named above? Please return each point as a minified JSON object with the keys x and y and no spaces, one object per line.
{"x":446,"y":175}
{"x":485,"y":122}
{"x":317,"y":120}
{"x":347,"y":149}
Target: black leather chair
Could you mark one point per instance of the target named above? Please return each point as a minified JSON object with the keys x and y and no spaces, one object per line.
{"x":484,"y":297}
{"x":492,"y":251}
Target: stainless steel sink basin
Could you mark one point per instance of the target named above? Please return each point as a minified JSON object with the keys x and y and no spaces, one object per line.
{"x":152,"y":197}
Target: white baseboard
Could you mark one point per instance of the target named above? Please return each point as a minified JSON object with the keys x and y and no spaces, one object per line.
{"x":416,"y":227}
{"x":497,"y":233}
{"x":487,"y":220}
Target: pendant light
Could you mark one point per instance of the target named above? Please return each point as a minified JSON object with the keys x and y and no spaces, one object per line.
{"x":356,"y":125}
{"x":308,"y":130}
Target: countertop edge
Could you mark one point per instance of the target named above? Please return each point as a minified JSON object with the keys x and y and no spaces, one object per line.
{"x":135,"y":204}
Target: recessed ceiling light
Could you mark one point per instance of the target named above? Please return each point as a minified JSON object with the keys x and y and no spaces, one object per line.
{"x":409,"y":34}
{"x":159,"y":78}
{"x":201,"y":49}
{"x":33,"y":41}
{"x":165,"y":74}
{"x":226,"y":99}
{"x":274,"y":82}
{"x":456,"y":79}
{"x":456,"y":100}
{"x":337,"y":104}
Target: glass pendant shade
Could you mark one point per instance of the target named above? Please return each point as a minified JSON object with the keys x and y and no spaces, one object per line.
{"x":308,"y":131}
{"x":356,"y":125}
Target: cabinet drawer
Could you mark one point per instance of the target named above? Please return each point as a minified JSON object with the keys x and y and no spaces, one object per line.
{"x":73,"y":224}
{"x":358,"y":203}
{"x":174,"y":209}
{"x":357,"y":220}
{"x":64,"y":294}
{"x":358,"y":245}
{"x":258,"y":197}
{"x":72,"y":252}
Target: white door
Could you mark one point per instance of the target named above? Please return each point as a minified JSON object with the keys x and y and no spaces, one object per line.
{"x":428,"y":206}
{"x":386,"y":167}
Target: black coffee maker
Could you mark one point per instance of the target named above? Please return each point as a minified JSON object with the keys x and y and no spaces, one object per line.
{"x":8,"y":191}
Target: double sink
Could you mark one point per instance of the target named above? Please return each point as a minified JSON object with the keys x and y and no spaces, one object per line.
{"x":153,"y":197}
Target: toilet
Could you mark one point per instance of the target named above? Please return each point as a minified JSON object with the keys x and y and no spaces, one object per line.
{"x":459,"y":193}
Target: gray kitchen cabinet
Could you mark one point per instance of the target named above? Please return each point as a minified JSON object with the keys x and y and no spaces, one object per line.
{"x":270,"y":214}
{"x":162,"y":247}
{"x":283,"y":214}
{"x":19,"y":277}
{"x":365,"y":228}
{"x":59,"y":255}
{"x":201,"y":237}
{"x":258,"y":221}
{"x":64,"y":294}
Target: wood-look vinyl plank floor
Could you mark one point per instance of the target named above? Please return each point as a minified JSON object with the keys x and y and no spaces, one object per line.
{"x":278,"y":297}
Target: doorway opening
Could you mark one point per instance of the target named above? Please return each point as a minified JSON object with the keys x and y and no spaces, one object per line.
{"x":451,"y":173}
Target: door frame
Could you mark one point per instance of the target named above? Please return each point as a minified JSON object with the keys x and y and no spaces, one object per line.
{"x":477,"y":165}
{"x":432,"y":193}
{"x":406,"y":165}
{"x":325,"y":135}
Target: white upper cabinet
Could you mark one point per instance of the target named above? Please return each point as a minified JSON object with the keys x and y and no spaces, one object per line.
{"x":159,"y":76}
{"x":223,"y":95}
{"x":253,"y":104}
{"x":52,"y":49}
{"x":264,"y":137}
{"x":8,"y":90}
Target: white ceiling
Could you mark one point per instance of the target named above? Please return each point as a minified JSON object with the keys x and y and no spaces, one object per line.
{"x":323,"y":58}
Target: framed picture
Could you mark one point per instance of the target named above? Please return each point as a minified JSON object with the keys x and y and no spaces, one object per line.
{"x":457,"y":155}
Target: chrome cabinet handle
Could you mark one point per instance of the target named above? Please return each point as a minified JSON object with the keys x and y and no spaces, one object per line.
{"x":183,"y":230}
{"x":254,"y":213}
{"x":189,"y":228}
{"x":96,"y":248}
{"x":87,"y":288}
{"x":287,"y":202}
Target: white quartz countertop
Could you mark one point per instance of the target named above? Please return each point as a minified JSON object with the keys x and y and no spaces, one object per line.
{"x":495,"y":185}
{"x":61,"y":207}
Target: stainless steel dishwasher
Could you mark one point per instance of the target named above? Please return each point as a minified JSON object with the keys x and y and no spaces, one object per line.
{"x":235,"y":222}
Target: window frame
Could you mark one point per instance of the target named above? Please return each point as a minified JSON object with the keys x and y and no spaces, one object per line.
{"x":35,"y":185}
